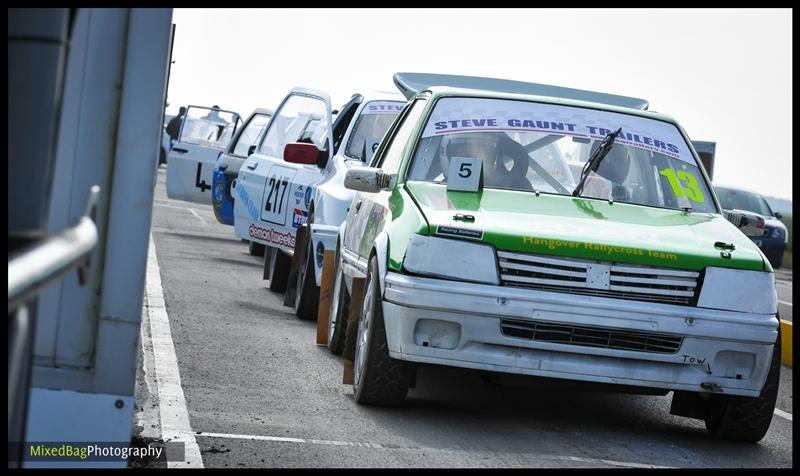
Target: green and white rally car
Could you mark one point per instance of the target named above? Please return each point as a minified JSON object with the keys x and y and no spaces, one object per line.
{"x":531,"y":229}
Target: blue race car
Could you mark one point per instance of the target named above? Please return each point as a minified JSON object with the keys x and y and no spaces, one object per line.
{"x":228,"y":163}
{"x":773,"y":242}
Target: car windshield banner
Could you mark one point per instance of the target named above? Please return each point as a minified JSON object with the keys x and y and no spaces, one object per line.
{"x":460,"y":115}
{"x":383,"y":107}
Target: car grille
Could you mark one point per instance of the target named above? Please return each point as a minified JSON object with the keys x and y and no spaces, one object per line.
{"x":622,"y":281}
{"x":592,"y":336}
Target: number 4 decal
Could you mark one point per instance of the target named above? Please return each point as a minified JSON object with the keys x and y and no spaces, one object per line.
{"x":203,"y":186}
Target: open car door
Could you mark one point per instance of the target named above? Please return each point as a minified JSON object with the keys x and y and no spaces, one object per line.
{"x":272,"y":195}
{"x":204,"y":134}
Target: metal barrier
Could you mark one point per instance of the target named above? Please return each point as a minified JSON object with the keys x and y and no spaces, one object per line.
{"x":29,"y":271}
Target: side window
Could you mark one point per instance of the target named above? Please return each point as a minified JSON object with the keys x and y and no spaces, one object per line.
{"x":208,"y":127}
{"x":393,"y":153}
{"x":250,"y":134}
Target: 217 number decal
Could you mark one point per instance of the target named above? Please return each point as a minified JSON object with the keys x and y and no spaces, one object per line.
{"x":277,"y":191}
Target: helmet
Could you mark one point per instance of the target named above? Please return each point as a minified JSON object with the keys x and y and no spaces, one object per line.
{"x":476,"y":145}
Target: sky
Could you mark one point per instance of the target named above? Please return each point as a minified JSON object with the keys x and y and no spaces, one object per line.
{"x":724,"y":74}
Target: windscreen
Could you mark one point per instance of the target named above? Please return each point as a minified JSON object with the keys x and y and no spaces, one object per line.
{"x":731,"y":199}
{"x":371,"y":125}
{"x":209,"y":127}
{"x":529,"y":146}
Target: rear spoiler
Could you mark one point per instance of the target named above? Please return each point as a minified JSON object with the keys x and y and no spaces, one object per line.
{"x":412,"y":83}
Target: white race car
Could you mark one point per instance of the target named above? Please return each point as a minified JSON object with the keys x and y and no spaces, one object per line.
{"x":292,"y":180}
{"x":205,"y":132}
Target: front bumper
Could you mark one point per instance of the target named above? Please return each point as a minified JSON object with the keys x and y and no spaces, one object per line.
{"x":459,"y":324}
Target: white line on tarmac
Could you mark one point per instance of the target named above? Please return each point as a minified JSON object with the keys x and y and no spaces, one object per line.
{"x":784,"y":302}
{"x":283,"y":439}
{"x":202,"y":220}
{"x":783,"y":414}
{"x":171,"y":401}
{"x":169,"y":206}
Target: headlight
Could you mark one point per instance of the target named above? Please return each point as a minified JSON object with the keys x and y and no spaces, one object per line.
{"x":776,"y":233}
{"x":739,"y":290}
{"x":452,"y":259}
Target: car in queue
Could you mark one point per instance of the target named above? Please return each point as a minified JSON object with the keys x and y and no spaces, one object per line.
{"x":357,"y":130}
{"x":773,"y":241}
{"x":227,"y":166}
{"x":262,"y":212}
{"x":297,"y":179}
{"x":626,"y":273}
{"x":204,"y":133}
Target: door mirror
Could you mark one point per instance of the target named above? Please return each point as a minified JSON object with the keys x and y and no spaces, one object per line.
{"x":748,"y":223}
{"x":778,"y":215}
{"x":300,"y":153}
{"x":368,"y":179}
{"x":251,"y":150}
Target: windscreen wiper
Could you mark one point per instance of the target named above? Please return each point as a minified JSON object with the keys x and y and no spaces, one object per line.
{"x":594,"y":161}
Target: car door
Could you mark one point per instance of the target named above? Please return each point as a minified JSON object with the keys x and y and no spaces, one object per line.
{"x":271,"y":201}
{"x":205,"y":132}
{"x":229,"y":162}
{"x":369,"y":211}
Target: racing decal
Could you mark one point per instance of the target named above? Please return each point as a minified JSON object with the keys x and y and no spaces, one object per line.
{"x":462,"y":232}
{"x":271,"y":235}
{"x":609,"y":250}
{"x":299,"y":195}
{"x":218,"y":194}
{"x":383,"y":107}
{"x":203,"y":186}
{"x":274,"y":206}
{"x":299,"y":218}
{"x":684,"y":184}
{"x":460,"y":115}
{"x":308,"y":196}
{"x":251,"y":208}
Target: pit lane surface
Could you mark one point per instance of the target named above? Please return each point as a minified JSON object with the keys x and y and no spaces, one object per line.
{"x":259,"y":393}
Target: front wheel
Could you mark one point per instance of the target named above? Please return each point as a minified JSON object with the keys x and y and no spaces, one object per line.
{"x":339,"y":309}
{"x":377,"y":378}
{"x":277,"y":270}
{"x":306,"y":296}
{"x":255,"y":249}
{"x":737,"y":418}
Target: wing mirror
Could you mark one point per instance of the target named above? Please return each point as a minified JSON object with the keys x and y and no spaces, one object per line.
{"x":251,"y":150}
{"x":301,"y":153}
{"x":751,"y":224}
{"x":778,"y":215}
{"x":368,"y":179}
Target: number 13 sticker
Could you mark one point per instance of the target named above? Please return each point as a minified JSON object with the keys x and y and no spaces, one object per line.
{"x":464,"y":174}
{"x":684,"y":184}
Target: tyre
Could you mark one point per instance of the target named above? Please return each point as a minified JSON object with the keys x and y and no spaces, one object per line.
{"x":278,"y":270}
{"x":339,"y":309}
{"x":306,"y":296}
{"x":733,"y":417}
{"x":377,"y":379}
{"x":256,"y":249}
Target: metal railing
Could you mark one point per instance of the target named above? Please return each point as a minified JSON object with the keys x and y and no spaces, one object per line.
{"x":38,"y":265}
{"x":30,"y":270}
